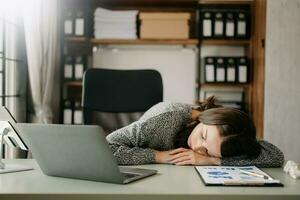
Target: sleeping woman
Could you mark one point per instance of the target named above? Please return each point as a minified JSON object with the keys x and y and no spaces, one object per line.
{"x":179,"y":134}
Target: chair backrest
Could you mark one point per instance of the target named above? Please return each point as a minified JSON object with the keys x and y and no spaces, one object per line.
{"x":120,"y":91}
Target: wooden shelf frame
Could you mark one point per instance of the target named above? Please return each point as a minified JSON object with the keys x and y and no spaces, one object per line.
{"x":76,"y":39}
{"x":224,"y":42}
{"x":73,"y":83}
{"x":226,"y":2}
{"x":145,"y":3}
{"x":146,"y":41}
{"x":223,"y":85}
{"x":94,"y":41}
{"x":217,"y":42}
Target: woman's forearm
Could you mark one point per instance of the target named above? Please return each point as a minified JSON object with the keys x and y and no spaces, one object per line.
{"x":126,"y":155}
{"x":169,"y":156}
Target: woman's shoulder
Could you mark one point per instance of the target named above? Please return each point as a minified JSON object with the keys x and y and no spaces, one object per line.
{"x":271,"y":150}
{"x":166,"y":107}
{"x":265,"y":143}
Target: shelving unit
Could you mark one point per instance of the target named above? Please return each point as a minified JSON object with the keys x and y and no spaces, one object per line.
{"x":253,"y":47}
{"x":230,"y":42}
{"x":225,"y":2}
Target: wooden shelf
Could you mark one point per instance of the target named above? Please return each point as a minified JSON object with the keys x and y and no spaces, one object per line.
{"x":223,"y":85}
{"x":73,"y":90}
{"x":77,"y":39}
{"x":159,"y":41}
{"x":145,"y":3}
{"x":133,"y":41}
{"x":227,"y":2}
{"x":146,"y":41}
{"x":73,"y":83}
{"x":224,"y":42}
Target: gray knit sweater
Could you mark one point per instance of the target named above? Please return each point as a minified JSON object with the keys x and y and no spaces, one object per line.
{"x":157,"y":129}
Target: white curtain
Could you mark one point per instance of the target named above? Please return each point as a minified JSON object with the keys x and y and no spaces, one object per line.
{"x":40,"y":24}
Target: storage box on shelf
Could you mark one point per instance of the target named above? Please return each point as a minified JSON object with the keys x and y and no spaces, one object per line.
{"x":161,"y":25}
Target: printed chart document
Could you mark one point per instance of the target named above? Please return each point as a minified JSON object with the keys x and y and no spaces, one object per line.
{"x":235,"y":176}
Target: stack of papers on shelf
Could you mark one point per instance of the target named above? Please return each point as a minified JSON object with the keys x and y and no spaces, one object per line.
{"x":115,"y":24}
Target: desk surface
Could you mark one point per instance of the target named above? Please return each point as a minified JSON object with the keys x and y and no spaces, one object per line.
{"x":171,"y":182}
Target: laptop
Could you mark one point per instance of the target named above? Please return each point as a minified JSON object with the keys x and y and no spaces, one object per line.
{"x":76,"y":151}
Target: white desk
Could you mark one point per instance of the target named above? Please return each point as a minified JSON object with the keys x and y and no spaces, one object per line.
{"x":172,"y":182}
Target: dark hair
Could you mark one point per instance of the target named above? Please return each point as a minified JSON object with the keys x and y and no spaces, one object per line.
{"x":234,"y":125}
{"x":182,"y":136}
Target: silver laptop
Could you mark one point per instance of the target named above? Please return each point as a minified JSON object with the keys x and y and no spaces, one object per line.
{"x":76,"y":151}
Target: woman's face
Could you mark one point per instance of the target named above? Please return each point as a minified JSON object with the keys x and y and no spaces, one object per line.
{"x":206,"y":139}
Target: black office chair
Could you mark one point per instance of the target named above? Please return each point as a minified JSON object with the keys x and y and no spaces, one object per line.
{"x":107,"y":93}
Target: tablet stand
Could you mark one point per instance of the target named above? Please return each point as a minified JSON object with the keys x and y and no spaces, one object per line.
{"x":8,"y":132}
{"x":4,"y":132}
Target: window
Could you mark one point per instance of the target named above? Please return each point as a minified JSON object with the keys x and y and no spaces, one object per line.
{"x":13,"y":67}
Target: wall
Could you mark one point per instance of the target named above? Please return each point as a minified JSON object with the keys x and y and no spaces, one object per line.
{"x":282,"y":81}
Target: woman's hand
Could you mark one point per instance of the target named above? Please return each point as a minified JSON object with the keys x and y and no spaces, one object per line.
{"x":162,"y":157}
{"x":182,"y":156}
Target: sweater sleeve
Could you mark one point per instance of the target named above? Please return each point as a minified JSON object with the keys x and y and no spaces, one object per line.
{"x":270,"y":156}
{"x":126,"y":144}
{"x":155,"y":130}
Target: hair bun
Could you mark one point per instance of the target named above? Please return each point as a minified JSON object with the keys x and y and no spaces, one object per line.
{"x":208,"y":103}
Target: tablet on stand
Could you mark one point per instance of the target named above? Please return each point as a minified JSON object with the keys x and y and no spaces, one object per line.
{"x":10,"y":136}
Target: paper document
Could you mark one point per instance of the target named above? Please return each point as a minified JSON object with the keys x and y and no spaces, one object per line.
{"x":229,"y":175}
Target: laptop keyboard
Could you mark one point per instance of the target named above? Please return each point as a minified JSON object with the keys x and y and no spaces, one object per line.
{"x":129,"y":175}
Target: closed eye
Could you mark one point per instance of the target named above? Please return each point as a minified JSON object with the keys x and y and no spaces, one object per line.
{"x":204,"y":134}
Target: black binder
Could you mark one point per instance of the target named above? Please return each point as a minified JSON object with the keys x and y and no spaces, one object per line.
{"x":79,"y":23}
{"x":78,"y":118}
{"x":68,"y":23}
{"x":209,"y":70}
{"x":69,"y":68}
{"x":68,"y":112}
{"x":242,"y":24}
{"x":219,"y":26}
{"x":231,"y":70}
{"x":230,"y":25}
{"x":79,"y":67}
{"x":242,"y":69}
{"x":206,"y":24}
{"x":220,"y":70}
